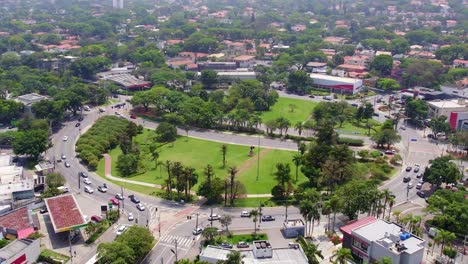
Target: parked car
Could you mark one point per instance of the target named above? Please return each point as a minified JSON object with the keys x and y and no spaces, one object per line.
{"x":242,"y":244}
{"x":87,"y":181}
{"x":133,"y":198}
{"x":80,"y":118}
{"x":409,"y":168}
{"x":410,"y":185}
{"x":133,"y":116}
{"x":245,"y":214}
{"x":114,"y":201}
{"x":83,"y":174}
{"x":101,"y":110}
{"x":63,"y":156}
{"x":213,"y":217}
{"x":43,"y":210}
{"x":78,"y":124}
{"x":86,"y":108}
{"x":65,"y":138}
{"x":67,"y":164}
{"x":406,"y":179}
{"x":225,"y":245}
{"x":419,"y":186}
{"x":390,"y":151}
{"x":419,"y":176}
{"x":130,"y":216}
{"x":197,"y":231}
{"x":293,"y":245}
{"x":266,"y":218}
{"x":102,"y":188}
{"x":403,"y":128}
{"x":421,"y":194}
{"x":96,"y":218}
{"x":121,"y":230}
{"x":416,"y":168}
{"x":119,"y":196}
{"x":140,"y":207}
{"x":88,"y":189}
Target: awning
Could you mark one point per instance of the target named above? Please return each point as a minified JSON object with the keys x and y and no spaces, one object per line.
{"x":24,"y":233}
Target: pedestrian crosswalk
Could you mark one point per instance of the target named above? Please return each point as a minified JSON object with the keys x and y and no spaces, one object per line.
{"x":183,"y":242}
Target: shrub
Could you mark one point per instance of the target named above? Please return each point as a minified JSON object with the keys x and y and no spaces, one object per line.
{"x":355,"y":142}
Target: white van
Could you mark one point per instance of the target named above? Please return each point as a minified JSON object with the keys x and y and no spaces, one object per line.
{"x":63,"y":189}
{"x":88,"y":189}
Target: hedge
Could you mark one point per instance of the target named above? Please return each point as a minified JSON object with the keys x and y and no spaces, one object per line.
{"x":355,"y":142}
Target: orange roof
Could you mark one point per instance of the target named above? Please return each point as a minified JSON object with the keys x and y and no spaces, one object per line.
{"x":244,"y":58}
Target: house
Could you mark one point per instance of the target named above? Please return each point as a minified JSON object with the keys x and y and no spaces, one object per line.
{"x":245,"y":61}
{"x":335,"y":40}
{"x":351,"y":68}
{"x":358,"y":60}
{"x":18,"y":223}
{"x":459,"y":63}
{"x":316,"y":67}
{"x":298,"y":28}
{"x":371,"y":239}
{"x":12,"y":180}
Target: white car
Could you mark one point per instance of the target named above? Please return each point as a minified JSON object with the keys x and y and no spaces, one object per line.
{"x":213,"y":217}
{"x":197,"y":231}
{"x":88,"y":189}
{"x":245,"y":214}
{"x":86,"y":181}
{"x":130,"y":216}
{"x":140,"y":207}
{"x":65,"y":138}
{"x":67,"y":164}
{"x":121,"y":230}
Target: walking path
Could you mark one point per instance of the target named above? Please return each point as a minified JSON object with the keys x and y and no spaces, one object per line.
{"x":108,"y":170}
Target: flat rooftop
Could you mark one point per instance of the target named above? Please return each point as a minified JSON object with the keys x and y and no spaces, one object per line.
{"x":294,"y":223}
{"x":65,"y":213}
{"x":332,"y":78}
{"x":31,"y":98}
{"x":447,"y":104}
{"x":280,"y":255}
{"x":17,"y":219}
{"x":13,"y":248}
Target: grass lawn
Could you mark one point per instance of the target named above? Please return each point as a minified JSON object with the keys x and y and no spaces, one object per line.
{"x":198,"y":153}
{"x":249,"y":238}
{"x":253,"y":202}
{"x":350,"y":128}
{"x":52,"y":255}
{"x":281,"y":108}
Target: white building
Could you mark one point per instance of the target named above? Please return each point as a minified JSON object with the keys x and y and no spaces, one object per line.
{"x":445,"y":107}
{"x":12,"y":180}
{"x":337,"y":84}
{"x":456,"y":90}
{"x":371,"y":239}
{"x":262,"y":253}
{"x":118,"y":4}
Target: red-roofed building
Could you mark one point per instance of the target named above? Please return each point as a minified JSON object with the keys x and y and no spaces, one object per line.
{"x":245,"y":61}
{"x":460,"y":63}
{"x":335,"y":40}
{"x":351,"y":68}
{"x":65,"y":214}
{"x":18,"y":223}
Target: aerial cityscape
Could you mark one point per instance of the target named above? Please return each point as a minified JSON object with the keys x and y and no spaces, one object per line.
{"x":233,"y":131}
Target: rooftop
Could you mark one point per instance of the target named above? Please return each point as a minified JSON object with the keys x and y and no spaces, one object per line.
{"x":244,"y":58}
{"x":65,"y":213}
{"x":332,"y":78}
{"x":280,"y":255}
{"x":447,"y":104}
{"x":126,"y":80}
{"x":294,"y":223}
{"x":14,"y":248}
{"x":17,"y":220}
{"x":28,"y":99}
{"x":356,"y":224}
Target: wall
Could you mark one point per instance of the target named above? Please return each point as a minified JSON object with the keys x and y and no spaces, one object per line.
{"x":30,"y":253}
{"x":377,"y":251}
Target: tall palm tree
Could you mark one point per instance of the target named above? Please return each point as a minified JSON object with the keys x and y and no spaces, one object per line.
{"x":254,"y":214}
{"x":391,"y":202}
{"x":190,"y":180}
{"x":312,"y":252}
{"x":387,"y":195}
{"x":326,"y":210}
{"x":335,"y":207}
{"x":397,"y":216}
{"x":342,"y":255}
{"x":305,"y":207}
{"x":297,"y":159}
{"x":154,"y":154}
{"x":224,"y":152}
{"x":313,"y":216}
{"x":232,"y":175}
{"x":169,"y":178}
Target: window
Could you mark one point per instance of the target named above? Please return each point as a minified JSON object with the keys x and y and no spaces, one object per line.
{"x":360,"y":245}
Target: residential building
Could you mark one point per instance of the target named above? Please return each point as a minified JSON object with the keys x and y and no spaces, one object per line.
{"x":460,"y":63}
{"x":12,"y":179}
{"x":316,"y":67}
{"x":358,"y":60}
{"x":262,"y":252}
{"x":445,"y":107}
{"x":245,"y":61}
{"x":18,"y":223}
{"x":21,"y":251}
{"x":351,"y":68}
{"x":371,"y":239}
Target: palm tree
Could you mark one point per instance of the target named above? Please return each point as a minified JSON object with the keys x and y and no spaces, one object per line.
{"x":312,"y":252}
{"x":299,"y":126}
{"x":169,"y":178}
{"x":297,"y":159}
{"x":224,"y":151}
{"x":232,"y":175}
{"x":391,"y":201}
{"x":314,"y":215}
{"x":342,"y":255}
{"x":254,"y":214}
{"x":397,"y":216}
{"x":234,"y":257}
{"x":305,"y":207}
{"x":154,"y":154}
{"x":335,"y":206}
{"x":225,"y":221}
{"x":190,"y":180}
{"x":445,"y":238}
{"x":387,"y":194}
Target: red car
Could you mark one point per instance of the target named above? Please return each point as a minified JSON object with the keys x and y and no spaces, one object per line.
{"x":133,"y":116}
{"x":96,"y":218}
{"x":114,"y":201}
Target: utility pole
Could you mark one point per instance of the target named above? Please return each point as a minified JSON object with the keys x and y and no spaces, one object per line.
{"x":159,"y":224}
{"x":286,"y":218}
{"x":123,"y":197}
{"x":79,"y":182}
{"x":211,"y":215}
{"x":407,"y":191}
{"x":196,"y":225}
{"x":69,"y":242}
{"x":176,"y":259}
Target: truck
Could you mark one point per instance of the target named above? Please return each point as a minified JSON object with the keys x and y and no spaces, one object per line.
{"x":63,"y":189}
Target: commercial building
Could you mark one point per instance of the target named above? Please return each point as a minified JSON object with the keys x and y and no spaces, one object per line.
{"x":12,"y":180}
{"x":293,"y":228}
{"x":29,"y":99}
{"x":336,"y":84}
{"x":124,"y":79}
{"x":245,"y":61}
{"x":458,"y":121}
{"x":445,"y":107}
{"x":21,"y":251}
{"x":371,"y":239}
{"x":217,"y":66}
{"x":65,"y":214}
{"x":262,"y":252}
{"x":316,"y":67}
{"x":237,"y":75}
